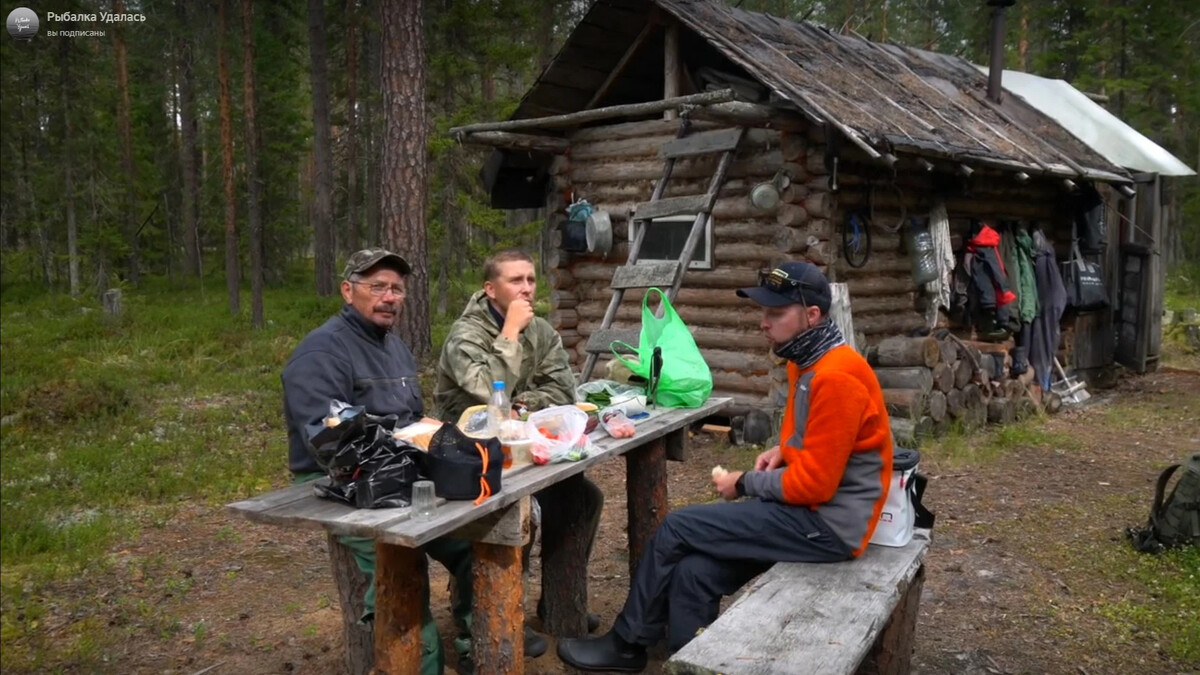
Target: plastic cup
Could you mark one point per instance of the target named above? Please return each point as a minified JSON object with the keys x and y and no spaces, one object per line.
{"x":424,"y":500}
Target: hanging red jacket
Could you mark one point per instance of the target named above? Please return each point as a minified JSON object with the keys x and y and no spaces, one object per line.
{"x":987,"y":273}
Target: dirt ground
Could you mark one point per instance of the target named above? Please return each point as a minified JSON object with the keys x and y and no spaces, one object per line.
{"x":210,"y":590}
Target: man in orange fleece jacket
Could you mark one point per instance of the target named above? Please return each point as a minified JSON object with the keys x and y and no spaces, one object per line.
{"x":813,"y":498}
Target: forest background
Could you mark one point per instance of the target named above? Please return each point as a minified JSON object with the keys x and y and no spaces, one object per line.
{"x":233,"y":143}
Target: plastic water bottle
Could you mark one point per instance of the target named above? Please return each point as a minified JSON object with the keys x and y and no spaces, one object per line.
{"x":922,"y":251}
{"x":499,"y":410}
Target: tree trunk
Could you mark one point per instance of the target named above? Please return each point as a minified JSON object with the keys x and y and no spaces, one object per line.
{"x":224,"y":95}
{"x":188,"y":151}
{"x":124,"y":130}
{"x":353,"y":232}
{"x":402,"y":183}
{"x":322,"y":212}
{"x":253,"y":180}
{"x":68,"y":162}
{"x":371,"y":58}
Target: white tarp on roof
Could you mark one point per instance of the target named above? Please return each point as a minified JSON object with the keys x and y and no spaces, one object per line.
{"x":1102,"y":131}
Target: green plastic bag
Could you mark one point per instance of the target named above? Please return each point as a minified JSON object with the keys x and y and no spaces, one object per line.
{"x":685,"y":380}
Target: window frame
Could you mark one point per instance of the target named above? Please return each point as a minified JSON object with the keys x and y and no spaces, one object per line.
{"x":698,"y":262}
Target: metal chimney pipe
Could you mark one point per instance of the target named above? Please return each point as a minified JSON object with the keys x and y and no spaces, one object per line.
{"x":996,"y":66}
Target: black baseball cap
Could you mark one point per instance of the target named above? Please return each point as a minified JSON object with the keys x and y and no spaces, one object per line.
{"x":367,"y":258}
{"x":791,"y":283}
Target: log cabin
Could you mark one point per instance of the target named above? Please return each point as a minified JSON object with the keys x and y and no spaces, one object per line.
{"x":854,"y":135}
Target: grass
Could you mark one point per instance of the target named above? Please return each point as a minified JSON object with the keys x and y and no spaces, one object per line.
{"x":110,"y":425}
{"x":961,"y":447}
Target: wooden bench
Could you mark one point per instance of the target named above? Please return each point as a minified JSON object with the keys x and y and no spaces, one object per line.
{"x":826,"y":619}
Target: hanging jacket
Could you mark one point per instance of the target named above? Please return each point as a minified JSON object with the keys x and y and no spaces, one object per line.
{"x":987,"y":273}
{"x":1043,"y":343}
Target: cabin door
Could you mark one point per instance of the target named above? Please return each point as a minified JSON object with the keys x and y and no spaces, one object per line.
{"x":1137,"y":295}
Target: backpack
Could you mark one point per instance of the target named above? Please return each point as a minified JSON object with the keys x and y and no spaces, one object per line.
{"x":1174,"y":521}
{"x":903,"y":510}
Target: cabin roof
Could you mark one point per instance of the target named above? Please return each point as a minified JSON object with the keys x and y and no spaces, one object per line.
{"x":895,"y":99}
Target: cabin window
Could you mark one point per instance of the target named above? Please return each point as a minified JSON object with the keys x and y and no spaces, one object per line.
{"x":666,"y":237}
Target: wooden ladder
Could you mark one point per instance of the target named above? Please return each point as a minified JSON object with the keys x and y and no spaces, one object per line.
{"x":668,"y":273}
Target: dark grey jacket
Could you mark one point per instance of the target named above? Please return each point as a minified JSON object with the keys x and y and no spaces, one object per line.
{"x":346,"y":359}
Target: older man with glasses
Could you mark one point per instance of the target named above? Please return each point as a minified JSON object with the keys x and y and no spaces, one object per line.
{"x":815,"y":497}
{"x":356,"y":358}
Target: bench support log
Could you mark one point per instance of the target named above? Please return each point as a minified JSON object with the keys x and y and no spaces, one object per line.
{"x":398,"y":609}
{"x":646,"y":495}
{"x":564,"y":553}
{"x":357,"y":637}
{"x":892,"y":652}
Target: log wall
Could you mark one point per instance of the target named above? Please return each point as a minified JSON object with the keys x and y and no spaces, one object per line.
{"x":897,"y":305}
{"x":616,"y":167}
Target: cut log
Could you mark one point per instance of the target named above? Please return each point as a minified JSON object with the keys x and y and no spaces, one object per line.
{"x":955,"y":407}
{"x":562,"y":319}
{"x":793,"y":146}
{"x":943,"y":377}
{"x":990,"y":347}
{"x":880,"y":285}
{"x":889,"y":324}
{"x":962,"y":373}
{"x":726,"y":278}
{"x":818,"y":205}
{"x":892,"y":264}
{"x":905,"y":378}
{"x":563,"y":299}
{"x":909,"y":433}
{"x":794,"y":240}
{"x":949,"y":353}
{"x":551,"y":145}
{"x":763,"y":164}
{"x":822,"y":253}
{"x":937,"y":406}
{"x":906,"y":403}
{"x":570,"y":338}
{"x":906,"y":351}
{"x":976,"y":409}
{"x":579,"y":118}
{"x":1025,"y":408}
{"x":1001,"y":410}
{"x":791,"y":215}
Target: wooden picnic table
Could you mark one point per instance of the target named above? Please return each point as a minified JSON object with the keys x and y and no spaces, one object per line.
{"x":498,"y":528}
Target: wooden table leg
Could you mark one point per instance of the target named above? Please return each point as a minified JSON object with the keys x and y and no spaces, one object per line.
{"x":646,"y":494}
{"x":498,"y":627}
{"x":564,"y":559}
{"x":498,"y":623}
{"x":401,"y":577}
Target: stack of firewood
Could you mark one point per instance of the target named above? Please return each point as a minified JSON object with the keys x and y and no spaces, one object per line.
{"x":930,"y":383}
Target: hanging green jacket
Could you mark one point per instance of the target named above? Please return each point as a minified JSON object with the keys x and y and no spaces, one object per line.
{"x":1016,"y":248}
{"x":535,"y":368}
{"x":1025,"y":279}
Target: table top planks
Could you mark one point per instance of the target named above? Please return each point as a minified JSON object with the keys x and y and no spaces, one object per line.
{"x":806,"y":618}
{"x":298,"y":506}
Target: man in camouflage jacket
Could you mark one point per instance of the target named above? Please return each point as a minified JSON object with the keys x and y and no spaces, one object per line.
{"x":497,"y":337}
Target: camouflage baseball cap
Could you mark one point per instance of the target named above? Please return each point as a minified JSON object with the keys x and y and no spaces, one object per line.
{"x":369,"y":257}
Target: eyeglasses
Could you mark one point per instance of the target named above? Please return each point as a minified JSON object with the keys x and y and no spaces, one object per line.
{"x":778,"y":281}
{"x":380,"y":289}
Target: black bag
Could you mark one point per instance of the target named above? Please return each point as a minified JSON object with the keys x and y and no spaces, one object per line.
{"x":1084,"y":281}
{"x":368,"y":468}
{"x":1090,"y":223}
{"x":462,"y":467}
